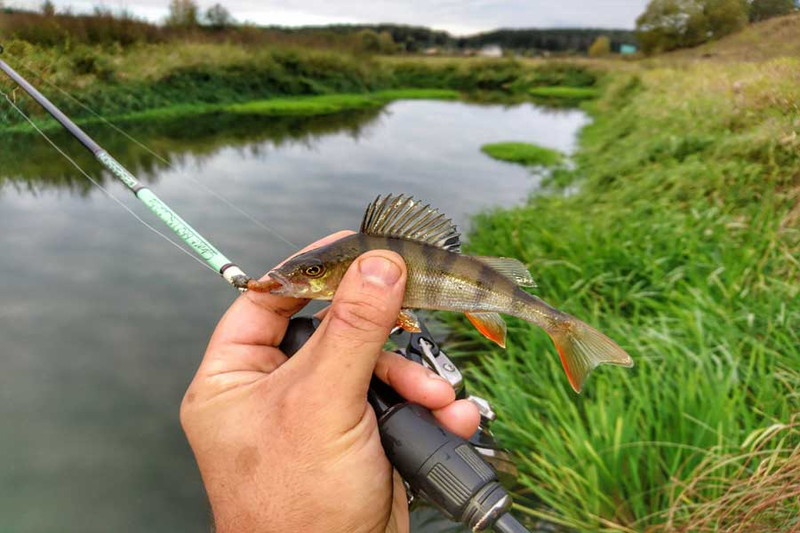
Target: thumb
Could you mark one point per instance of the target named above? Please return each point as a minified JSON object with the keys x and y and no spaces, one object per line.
{"x":345,"y":348}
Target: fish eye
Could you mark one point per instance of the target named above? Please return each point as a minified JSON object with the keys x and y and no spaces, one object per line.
{"x":313,"y":271}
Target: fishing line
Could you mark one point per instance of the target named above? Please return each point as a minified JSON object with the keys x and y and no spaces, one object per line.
{"x":99,"y":186}
{"x":169,"y":165}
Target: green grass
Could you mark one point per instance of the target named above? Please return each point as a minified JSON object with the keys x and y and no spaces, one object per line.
{"x":336,"y":103}
{"x":564,"y":93}
{"x":523,"y":153}
{"x":682,"y":244}
{"x":304,"y":106}
{"x":152,"y":80}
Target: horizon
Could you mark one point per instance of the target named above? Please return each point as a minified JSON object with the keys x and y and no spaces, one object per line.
{"x":457,"y":18}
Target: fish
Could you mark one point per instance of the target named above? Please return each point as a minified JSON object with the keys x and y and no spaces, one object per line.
{"x":441,"y":278}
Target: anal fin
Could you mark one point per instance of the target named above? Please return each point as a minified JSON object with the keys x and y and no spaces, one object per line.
{"x":491,"y":325}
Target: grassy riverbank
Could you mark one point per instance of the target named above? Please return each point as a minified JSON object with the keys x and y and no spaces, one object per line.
{"x":149,"y":81}
{"x":302,"y":106}
{"x":682,"y":243}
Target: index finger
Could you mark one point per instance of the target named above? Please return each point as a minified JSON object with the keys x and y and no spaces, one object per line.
{"x":261,"y":319}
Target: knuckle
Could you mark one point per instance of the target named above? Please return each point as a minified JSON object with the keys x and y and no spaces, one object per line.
{"x":186,"y":409}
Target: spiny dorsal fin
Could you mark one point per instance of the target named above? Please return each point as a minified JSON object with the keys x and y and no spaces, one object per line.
{"x":402,"y":217}
{"x":510,"y":268}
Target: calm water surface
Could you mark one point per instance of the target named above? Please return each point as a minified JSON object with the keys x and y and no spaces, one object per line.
{"x":102,"y":324}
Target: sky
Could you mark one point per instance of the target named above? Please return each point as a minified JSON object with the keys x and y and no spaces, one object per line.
{"x":459,"y":17}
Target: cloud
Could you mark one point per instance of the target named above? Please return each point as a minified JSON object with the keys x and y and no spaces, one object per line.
{"x":457,"y":16}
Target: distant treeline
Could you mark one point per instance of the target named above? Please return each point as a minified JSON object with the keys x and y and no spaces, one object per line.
{"x":419,"y":38}
{"x":407,"y":38}
{"x":50,"y":28}
{"x":551,"y":40}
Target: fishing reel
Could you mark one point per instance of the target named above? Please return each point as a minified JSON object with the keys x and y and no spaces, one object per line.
{"x":463,"y":479}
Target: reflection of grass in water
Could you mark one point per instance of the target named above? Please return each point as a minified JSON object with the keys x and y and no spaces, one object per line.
{"x":191,"y":129}
{"x":173,"y":139}
{"x":523,"y":153}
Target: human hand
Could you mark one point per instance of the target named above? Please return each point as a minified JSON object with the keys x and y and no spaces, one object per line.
{"x":292,"y":444}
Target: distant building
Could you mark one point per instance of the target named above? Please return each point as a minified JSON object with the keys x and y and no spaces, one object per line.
{"x":627,"y":49}
{"x":491,"y":50}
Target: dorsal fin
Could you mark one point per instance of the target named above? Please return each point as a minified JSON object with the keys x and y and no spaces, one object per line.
{"x":402,"y":217}
{"x":511,"y":268}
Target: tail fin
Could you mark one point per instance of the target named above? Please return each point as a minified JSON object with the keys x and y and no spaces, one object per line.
{"x":582,"y":348}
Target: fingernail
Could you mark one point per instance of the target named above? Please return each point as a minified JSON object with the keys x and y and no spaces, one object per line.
{"x":437,"y":377}
{"x":379,"y":270}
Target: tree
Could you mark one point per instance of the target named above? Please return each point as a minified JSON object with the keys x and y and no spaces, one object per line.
{"x":48,"y":8}
{"x":183,"y":13}
{"x":218,"y":17}
{"x":766,"y":9}
{"x":725,"y":16}
{"x":386,"y":44}
{"x":368,"y":41}
{"x":669,"y":24}
{"x":600,"y":47}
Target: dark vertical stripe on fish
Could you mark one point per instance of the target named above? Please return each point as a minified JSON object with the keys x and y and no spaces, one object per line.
{"x":397,"y":246}
{"x":518,"y":300}
{"x":484,"y":285}
{"x":433,"y":268}
{"x":448,"y":260}
{"x":447,"y":266}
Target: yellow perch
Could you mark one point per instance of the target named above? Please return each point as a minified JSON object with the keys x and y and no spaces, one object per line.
{"x":440,"y":277}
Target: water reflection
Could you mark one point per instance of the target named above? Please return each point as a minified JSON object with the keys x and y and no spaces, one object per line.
{"x":28,"y":163}
{"x":102,"y":325}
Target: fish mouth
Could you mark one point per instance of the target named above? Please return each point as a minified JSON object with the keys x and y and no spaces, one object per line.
{"x":272,"y":285}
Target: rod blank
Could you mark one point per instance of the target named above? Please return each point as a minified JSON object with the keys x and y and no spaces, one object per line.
{"x":199,"y":244}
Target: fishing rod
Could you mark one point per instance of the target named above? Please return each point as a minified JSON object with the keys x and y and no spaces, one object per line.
{"x":199,"y":244}
{"x":459,"y":477}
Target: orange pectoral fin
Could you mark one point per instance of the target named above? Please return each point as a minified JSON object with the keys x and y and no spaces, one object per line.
{"x":408,"y":321}
{"x":491,"y":326}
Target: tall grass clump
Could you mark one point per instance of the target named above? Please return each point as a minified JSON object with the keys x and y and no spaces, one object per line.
{"x":682,"y":244}
{"x":753,"y":488}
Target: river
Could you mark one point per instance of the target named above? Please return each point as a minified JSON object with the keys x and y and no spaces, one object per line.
{"x":102,"y":323}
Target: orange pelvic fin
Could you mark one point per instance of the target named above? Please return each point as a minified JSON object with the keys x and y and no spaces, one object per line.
{"x":408,"y":321}
{"x":582,"y":348}
{"x":491,"y":326}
